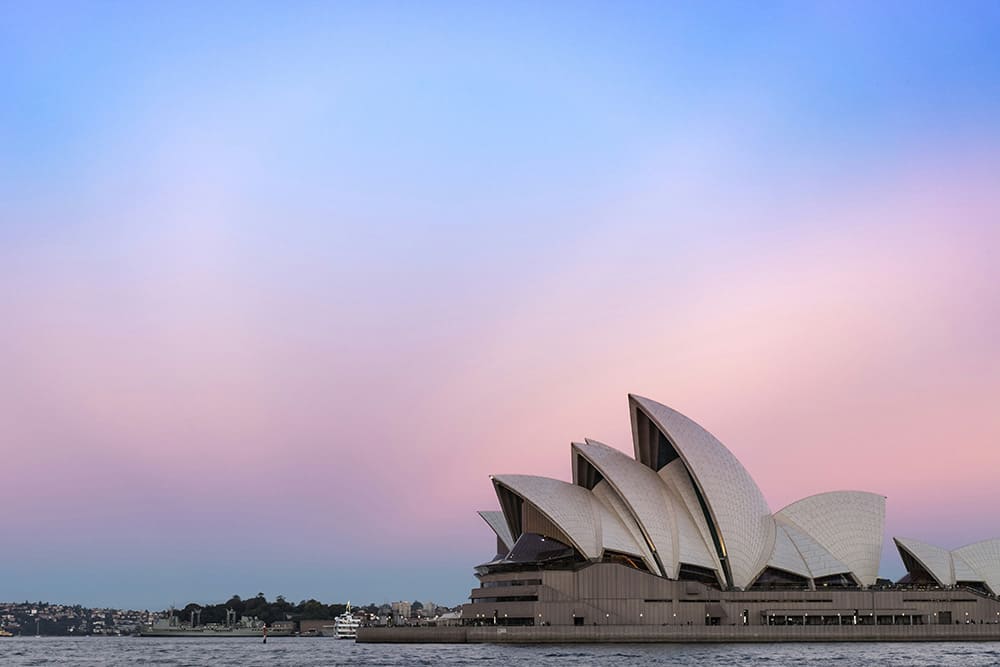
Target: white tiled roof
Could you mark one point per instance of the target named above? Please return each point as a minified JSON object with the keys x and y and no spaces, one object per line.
{"x":659,"y":516}
{"x":962,"y":570}
{"x":786,"y":555}
{"x":499,"y":525}
{"x":615,"y":534}
{"x":848,"y":524}
{"x":737,"y":505}
{"x":643,"y":493}
{"x":694,"y":541}
{"x":984,"y":559}
{"x":935,"y":560}
{"x":574,"y":510}
{"x":821,"y":563}
{"x":569,"y":507}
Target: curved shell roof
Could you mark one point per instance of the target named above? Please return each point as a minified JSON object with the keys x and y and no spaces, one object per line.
{"x":499,"y":525}
{"x":586,"y":522}
{"x":694,"y":540}
{"x":962,"y":570}
{"x":974,"y":563}
{"x":686,"y":500}
{"x":786,"y":556}
{"x":643,"y":493}
{"x":821,"y":563}
{"x":935,"y":560}
{"x":739,"y":512}
{"x":984,"y":559}
{"x":619,"y":531}
{"x":848,"y":524}
{"x":606,"y":495}
{"x":569,"y":507}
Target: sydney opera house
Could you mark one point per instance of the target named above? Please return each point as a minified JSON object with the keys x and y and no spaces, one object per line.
{"x":682,"y":535}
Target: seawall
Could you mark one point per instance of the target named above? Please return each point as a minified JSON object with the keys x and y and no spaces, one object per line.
{"x":569,"y":634}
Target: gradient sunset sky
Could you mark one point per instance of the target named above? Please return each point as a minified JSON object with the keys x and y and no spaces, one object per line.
{"x":281,"y":284}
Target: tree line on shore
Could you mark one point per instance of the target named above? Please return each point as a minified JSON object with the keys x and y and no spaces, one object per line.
{"x":266,"y":610}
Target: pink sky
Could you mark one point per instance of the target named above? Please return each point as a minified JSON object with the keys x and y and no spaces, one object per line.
{"x":171,"y":406}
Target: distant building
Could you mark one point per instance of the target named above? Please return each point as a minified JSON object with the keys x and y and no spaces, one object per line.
{"x":447,"y":618}
{"x":401,"y":610}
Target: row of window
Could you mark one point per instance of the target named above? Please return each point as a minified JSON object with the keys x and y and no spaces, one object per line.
{"x":511,"y":582}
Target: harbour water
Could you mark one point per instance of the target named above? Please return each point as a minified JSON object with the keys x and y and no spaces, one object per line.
{"x":316,"y":652}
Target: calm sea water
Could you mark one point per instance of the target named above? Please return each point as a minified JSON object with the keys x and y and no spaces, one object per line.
{"x":316,"y":651}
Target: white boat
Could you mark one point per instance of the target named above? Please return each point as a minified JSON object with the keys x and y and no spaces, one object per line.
{"x":346,"y":625}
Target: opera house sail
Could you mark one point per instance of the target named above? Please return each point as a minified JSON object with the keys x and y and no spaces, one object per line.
{"x":679,"y":533}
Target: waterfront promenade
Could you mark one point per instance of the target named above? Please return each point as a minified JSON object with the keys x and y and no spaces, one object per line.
{"x":568,"y":634}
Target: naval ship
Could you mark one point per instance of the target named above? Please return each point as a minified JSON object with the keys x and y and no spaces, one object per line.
{"x":245,"y":627}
